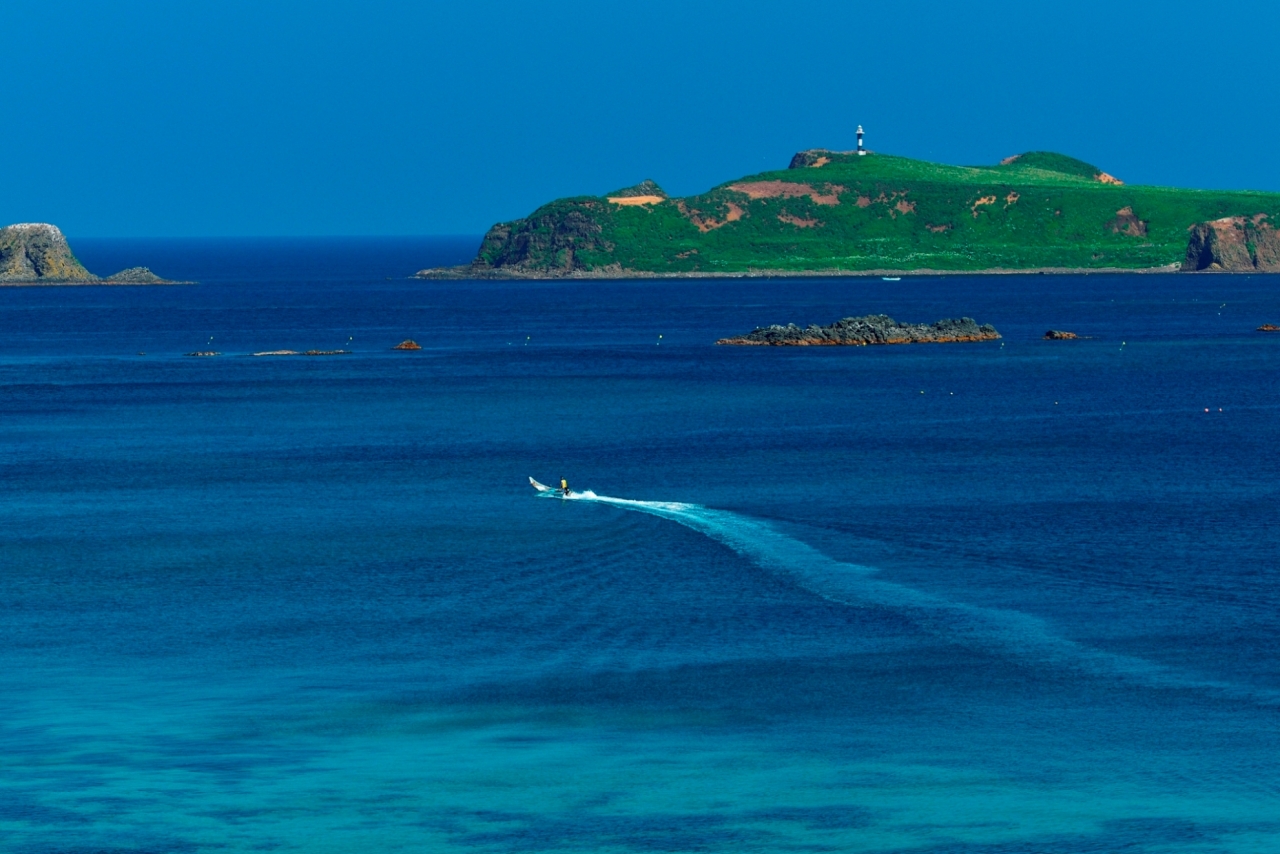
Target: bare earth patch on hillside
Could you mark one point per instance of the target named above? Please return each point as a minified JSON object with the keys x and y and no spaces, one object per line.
{"x":1127,"y":222}
{"x":788,"y":190}
{"x":985,"y":200}
{"x":636,"y":200}
{"x":1104,"y":178}
{"x":797,"y":221}
{"x":707,"y":223}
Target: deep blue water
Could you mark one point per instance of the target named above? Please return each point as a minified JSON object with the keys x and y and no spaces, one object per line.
{"x":1021,"y":596}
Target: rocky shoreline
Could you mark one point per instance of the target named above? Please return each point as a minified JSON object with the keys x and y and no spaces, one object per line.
{"x":1233,"y":244}
{"x":468,"y":272}
{"x":872,"y":329}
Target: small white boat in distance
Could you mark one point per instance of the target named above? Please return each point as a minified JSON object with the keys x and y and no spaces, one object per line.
{"x":891,"y":278}
{"x":562,"y":490}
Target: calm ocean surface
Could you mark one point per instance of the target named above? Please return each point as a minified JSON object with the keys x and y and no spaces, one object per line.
{"x":1021,"y":596}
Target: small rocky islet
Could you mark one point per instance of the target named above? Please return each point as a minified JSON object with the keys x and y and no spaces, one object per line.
{"x":871,"y":329}
{"x":37,"y":253}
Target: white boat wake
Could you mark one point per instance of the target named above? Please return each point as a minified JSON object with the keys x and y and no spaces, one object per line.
{"x":1010,"y":633}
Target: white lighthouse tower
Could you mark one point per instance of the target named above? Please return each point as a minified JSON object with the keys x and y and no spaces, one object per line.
{"x":861,"y":151}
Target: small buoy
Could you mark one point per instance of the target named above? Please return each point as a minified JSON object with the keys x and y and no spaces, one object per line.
{"x":1206,"y":410}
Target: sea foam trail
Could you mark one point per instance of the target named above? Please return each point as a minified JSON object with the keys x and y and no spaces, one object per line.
{"x":1010,"y":633}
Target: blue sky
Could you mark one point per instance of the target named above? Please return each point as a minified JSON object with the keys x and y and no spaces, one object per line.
{"x":148,"y":118}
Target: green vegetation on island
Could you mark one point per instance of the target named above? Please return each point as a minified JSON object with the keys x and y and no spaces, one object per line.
{"x":840,"y":212}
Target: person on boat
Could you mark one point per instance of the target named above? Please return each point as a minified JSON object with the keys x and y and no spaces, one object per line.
{"x":564,"y":487}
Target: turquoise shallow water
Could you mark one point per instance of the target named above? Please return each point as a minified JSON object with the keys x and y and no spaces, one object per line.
{"x":1007,"y":597}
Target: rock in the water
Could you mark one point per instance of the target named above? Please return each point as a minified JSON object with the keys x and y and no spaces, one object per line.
{"x":1059,"y":335}
{"x":1269,"y":327}
{"x":136,"y":276}
{"x":407,"y":344}
{"x":1233,"y":244}
{"x":205,"y":353}
{"x":871,"y":329}
{"x":38,"y":252}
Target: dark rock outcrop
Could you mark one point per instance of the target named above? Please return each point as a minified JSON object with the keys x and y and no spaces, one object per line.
{"x":1269,"y":327}
{"x":1059,"y":335}
{"x":815,"y":158}
{"x":1233,"y":244}
{"x":547,"y":243}
{"x":645,"y":188}
{"x":805,"y":159}
{"x":408,"y":344}
{"x":38,"y":252}
{"x":871,"y":329}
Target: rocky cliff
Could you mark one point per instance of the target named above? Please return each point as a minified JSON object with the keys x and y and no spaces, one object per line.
{"x":871,"y":329}
{"x":35,"y":252}
{"x":1234,"y":244}
{"x":548,"y":242}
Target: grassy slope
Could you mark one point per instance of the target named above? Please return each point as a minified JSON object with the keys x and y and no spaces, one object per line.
{"x":1061,"y":218}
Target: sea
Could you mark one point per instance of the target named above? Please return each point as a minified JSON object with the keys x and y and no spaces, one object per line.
{"x":983,"y":598}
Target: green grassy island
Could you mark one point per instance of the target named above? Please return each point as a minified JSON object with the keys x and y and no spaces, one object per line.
{"x":837,"y":212}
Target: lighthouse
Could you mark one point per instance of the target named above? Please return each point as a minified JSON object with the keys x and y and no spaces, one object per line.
{"x":861,"y":151}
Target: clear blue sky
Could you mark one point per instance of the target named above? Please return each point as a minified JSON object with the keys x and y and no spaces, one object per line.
{"x":147,"y":118}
